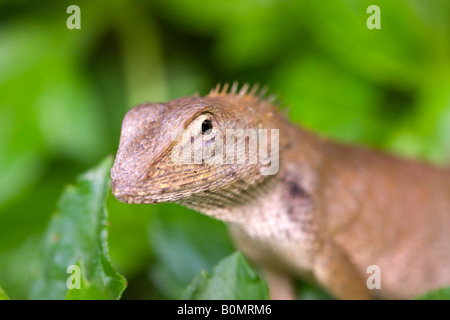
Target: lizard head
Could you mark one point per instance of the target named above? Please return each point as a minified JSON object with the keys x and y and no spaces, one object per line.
{"x":195,"y":150}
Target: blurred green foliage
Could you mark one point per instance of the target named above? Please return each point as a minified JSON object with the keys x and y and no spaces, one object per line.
{"x":230,"y":279}
{"x":63,"y":94}
{"x":75,"y":248}
{"x":439,"y":294}
{"x":3,"y":295}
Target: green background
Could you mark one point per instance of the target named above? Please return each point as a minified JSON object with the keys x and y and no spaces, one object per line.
{"x":63,"y":95}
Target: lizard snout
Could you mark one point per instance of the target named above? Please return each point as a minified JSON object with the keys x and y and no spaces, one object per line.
{"x":118,"y":193}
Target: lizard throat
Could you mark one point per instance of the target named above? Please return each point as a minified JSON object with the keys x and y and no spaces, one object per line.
{"x":223,"y":204}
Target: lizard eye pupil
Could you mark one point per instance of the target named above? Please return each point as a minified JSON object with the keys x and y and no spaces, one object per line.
{"x":206,"y":126}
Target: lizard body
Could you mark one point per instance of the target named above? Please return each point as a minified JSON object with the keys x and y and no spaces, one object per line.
{"x":329,"y":212}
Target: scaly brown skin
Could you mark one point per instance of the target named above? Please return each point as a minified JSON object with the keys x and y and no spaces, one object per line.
{"x":329,"y":213}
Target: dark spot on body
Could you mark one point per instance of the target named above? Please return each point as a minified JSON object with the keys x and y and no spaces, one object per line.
{"x":296,"y":191}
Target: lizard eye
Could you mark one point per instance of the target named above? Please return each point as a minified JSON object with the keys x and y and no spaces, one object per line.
{"x":206,"y":126}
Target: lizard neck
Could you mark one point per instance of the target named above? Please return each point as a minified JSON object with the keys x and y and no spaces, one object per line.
{"x":244,"y":201}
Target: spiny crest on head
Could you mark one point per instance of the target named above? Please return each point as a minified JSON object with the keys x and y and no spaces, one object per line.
{"x":254,"y":92}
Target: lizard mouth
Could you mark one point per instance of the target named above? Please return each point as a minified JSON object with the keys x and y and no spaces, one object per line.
{"x":133,"y":195}
{"x":127,"y":194}
{"x":118,"y":191}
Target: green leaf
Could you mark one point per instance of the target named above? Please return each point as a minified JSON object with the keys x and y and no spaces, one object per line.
{"x":439,"y":294}
{"x":77,"y":236}
{"x":3,"y":295}
{"x":184,"y":242}
{"x":231,"y":279}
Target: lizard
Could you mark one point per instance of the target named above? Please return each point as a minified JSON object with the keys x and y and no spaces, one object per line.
{"x":328,"y":213}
